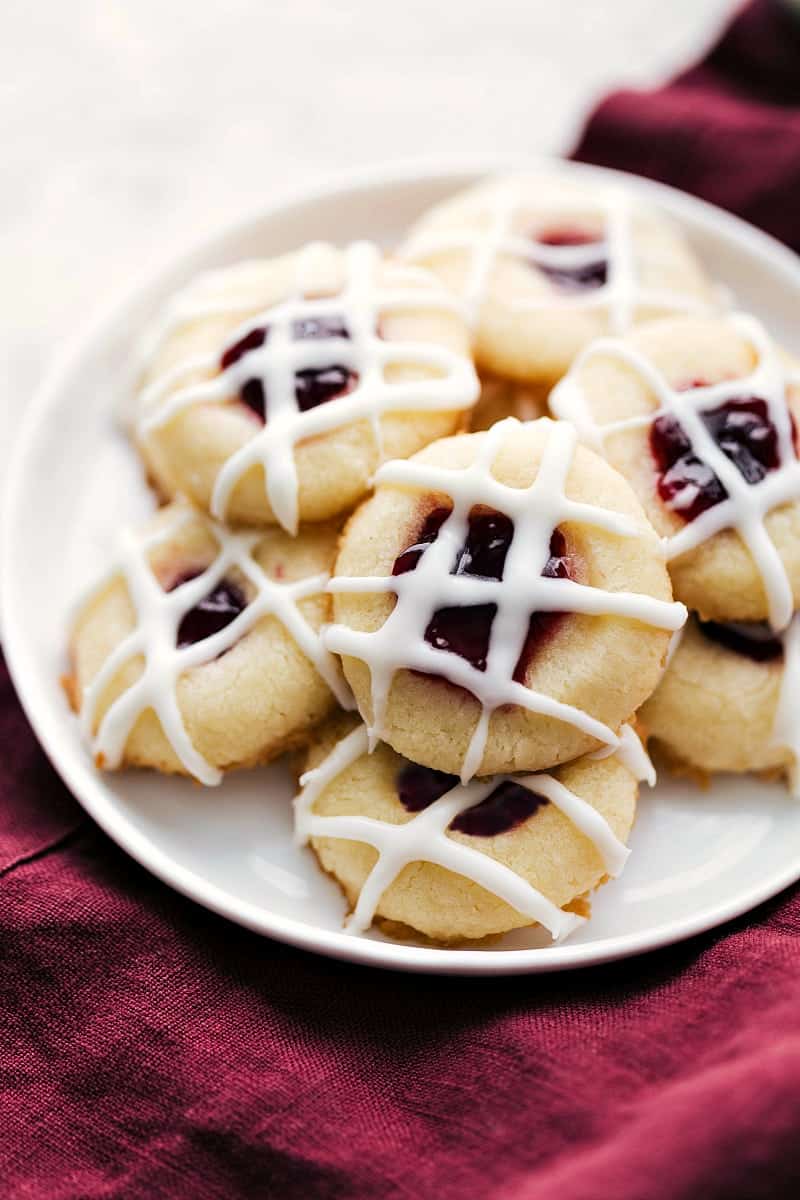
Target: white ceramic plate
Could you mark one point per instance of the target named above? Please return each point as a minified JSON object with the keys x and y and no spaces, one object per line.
{"x":699,"y":858}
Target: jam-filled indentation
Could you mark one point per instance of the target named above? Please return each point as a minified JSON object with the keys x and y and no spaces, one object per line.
{"x":466,"y":630}
{"x":317,"y":385}
{"x":508,"y":806}
{"x":428,"y":533}
{"x":745,"y":434}
{"x":585,"y":275}
{"x":543,"y":625}
{"x":213,"y":613}
{"x":755,"y":640}
{"x":253,"y":340}
{"x":312,"y":385}
{"x":418,"y":787}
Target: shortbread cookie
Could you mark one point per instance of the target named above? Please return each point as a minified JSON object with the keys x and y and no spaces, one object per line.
{"x":411,"y":845}
{"x":501,"y":603}
{"x":699,"y":415}
{"x":274,"y":389}
{"x":729,"y":699}
{"x":546,"y":263}
{"x":201,"y":651}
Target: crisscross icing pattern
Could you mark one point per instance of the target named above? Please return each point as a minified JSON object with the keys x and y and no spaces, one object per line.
{"x":424,"y":837}
{"x":446,"y":380}
{"x":536,"y":512}
{"x":154,"y":639}
{"x":622,"y":294}
{"x":747,"y":504}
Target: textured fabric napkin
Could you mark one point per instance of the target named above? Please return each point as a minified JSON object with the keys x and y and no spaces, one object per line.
{"x":147,"y":1048}
{"x":727,"y":130}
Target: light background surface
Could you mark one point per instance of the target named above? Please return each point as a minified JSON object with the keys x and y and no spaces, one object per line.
{"x":129,"y":126}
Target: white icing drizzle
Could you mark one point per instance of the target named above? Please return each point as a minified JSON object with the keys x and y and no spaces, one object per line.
{"x":154,"y":638}
{"x":674,"y":644}
{"x":536,"y":512}
{"x":747,"y":504}
{"x":786,"y":725}
{"x":622,"y":295}
{"x":424,"y":838}
{"x":632,"y":754}
{"x":449,"y":382}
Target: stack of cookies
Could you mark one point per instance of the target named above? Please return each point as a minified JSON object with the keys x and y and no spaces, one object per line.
{"x":699,"y":413}
{"x":458,"y":632}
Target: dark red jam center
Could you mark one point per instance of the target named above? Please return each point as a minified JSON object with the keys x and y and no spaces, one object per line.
{"x":744,"y":433}
{"x":214,"y":612}
{"x":751,"y":639}
{"x":543,"y":624}
{"x":568,"y":237}
{"x":312,"y":385}
{"x":418,"y":787}
{"x":253,"y":340}
{"x":593,"y":273}
{"x":466,"y":630}
{"x":508,"y":806}
{"x":409,"y":558}
{"x":317,"y":385}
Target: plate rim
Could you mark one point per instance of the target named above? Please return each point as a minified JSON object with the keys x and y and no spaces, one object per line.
{"x":78,"y":774}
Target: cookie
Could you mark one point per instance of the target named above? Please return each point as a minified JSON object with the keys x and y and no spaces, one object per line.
{"x":700,"y":416}
{"x":501,"y":398}
{"x":728,"y":700}
{"x":501,"y":603}
{"x":546,"y":263}
{"x":412,"y":845}
{"x":273,"y":389}
{"x":201,"y":652}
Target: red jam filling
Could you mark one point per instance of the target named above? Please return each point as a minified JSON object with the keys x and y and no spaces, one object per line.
{"x":590,"y":274}
{"x":312,"y":385}
{"x":465,"y":630}
{"x":506,"y":807}
{"x":744,"y":433}
{"x":214,"y":612}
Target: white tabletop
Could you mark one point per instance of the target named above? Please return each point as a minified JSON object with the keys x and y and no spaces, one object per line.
{"x":128,"y":126}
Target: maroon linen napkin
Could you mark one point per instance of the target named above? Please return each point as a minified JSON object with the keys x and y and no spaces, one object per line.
{"x":727,"y":130}
{"x":150,"y":1049}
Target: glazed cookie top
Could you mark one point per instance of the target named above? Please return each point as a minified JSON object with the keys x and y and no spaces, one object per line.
{"x":195,"y":589}
{"x":299,"y":349}
{"x":700,"y":416}
{"x":546,"y":263}
{"x":414,"y":814}
{"x":459,"y":567}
